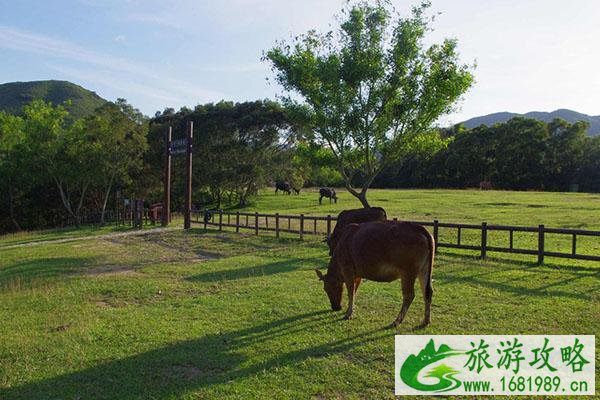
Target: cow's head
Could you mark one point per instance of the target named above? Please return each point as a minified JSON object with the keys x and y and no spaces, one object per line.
{"x":333,"y":289}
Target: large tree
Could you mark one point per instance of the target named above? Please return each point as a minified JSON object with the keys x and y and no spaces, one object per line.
{"x":365,"y":89}
{"x":118,"y":132}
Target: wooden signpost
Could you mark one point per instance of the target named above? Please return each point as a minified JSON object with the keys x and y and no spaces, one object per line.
{"x":187,"y":212}
{"x":166,"y":210}
{"x":175,"y":148}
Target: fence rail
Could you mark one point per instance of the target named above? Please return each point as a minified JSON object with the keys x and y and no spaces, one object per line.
{"x":323,"y":225}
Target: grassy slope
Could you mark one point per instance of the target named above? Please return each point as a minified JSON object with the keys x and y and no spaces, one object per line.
{"x":14,"y":95}
{"x":192,"y":315}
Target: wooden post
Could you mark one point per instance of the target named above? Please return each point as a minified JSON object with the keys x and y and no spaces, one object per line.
{"x":315,"y":226}
{"x":328,"y":227}
{"x":301,"y":226}
{"x":166,"y":209}
{"x":220,"y":219}
{"x":436,"y":232}
{"x":483,"y":240}
{"x":541,"y":244}
{"x":277,"y":225}
{"x":574,"y":245}
{"x":511,"y":238}
{"x":458,"y":235}
{"x":237,"y":221}
{"x":256,"y":223}
{"x":187,"y":221}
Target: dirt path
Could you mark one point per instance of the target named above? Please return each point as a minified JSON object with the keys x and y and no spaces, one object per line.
{"x":104,"y":236}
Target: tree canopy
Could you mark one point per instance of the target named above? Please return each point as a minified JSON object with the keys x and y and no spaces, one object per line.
{"x":368,"y":87}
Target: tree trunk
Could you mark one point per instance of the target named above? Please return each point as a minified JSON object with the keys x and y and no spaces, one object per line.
{"x":66,"y":202}
{"x":78,"y":211}
{"x":12,"y":209}
{"x":108,"y":189}
{"x":362,"y":197}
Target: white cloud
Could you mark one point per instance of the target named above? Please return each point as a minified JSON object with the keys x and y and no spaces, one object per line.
{"x":119,"y":38}
{"x":32,"y":43}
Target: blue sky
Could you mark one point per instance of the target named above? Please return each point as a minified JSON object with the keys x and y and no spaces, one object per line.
{"x":531,"y":54}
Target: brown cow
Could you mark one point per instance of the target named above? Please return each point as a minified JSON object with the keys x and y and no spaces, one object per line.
{"x":356,"y":216}
{"x":381,"y":251}
{"x":485,"y":185}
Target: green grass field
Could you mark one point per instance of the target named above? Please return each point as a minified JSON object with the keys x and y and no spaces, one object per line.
{"x":207,"y":315}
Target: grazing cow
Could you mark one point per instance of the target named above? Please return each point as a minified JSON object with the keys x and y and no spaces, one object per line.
{"x":356,"y":216}
{"x":284,"y":187}
{"x":327,"y":192}
{"x":297,"y":191}
{"x":485,"y":185}
{"x":381,"y":251}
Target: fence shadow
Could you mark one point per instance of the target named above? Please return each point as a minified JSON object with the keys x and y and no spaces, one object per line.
{"x":176,"y":369}
{"x":504,"y":276}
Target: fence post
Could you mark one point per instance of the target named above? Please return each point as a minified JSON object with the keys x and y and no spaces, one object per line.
{"x":483,"y":240}
{"x":256,"y":223}
{"x":436,"y":232}
{"x":301,"y":226}
{"x":277,"y":225}
{"x":541,"y":244}
{"x":328,"y":227}
{"x":574,"y":245}
{"x":220,"y":219}
{"x":237,"y":221}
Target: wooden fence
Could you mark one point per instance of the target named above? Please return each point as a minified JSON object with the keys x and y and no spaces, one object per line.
{"x":317,"y":225}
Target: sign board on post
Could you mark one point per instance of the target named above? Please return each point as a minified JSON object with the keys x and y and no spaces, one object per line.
{"x":178,"y":147}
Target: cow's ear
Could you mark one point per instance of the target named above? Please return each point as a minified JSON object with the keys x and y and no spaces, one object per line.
{"x":320,"y":275}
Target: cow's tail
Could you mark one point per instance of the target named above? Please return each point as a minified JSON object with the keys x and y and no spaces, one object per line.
{"x":429,"y":287}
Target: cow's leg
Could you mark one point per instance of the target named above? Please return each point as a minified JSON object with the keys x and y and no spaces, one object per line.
{"x":357,"y":281}
{"x":351,"y":291}
{"x":427,"y":291}
{"x":320,"y":200}
{"x":408,"y":295}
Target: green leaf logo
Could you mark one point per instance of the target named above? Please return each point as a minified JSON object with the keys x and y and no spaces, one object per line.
{"x":413,"y":365}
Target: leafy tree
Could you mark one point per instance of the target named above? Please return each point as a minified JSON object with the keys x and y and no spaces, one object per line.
{"x":566,"y":144}
{"x":236,"y":147}
{"x":61,"y":152}
{"x":365,"y":90}
{"x":11,"y":130}
{"x":118,"y":133}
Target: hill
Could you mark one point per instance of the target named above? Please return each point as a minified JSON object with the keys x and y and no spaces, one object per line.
{"x":14,"y":95}
{"x":568,"y":115}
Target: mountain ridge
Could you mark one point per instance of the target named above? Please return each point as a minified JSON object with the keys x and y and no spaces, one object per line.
{"x":562,"y":113}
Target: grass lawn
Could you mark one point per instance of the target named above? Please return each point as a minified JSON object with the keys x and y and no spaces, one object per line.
{"x":557,"y":210}
{"x":211,"y":315}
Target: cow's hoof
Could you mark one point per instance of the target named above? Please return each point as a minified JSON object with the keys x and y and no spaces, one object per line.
{"x":347,"y":317}
{"x":424,"y":324}
{"x":395,"y":324}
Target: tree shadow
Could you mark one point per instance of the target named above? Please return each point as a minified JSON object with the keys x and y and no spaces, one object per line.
{"x":43,"y":268}
{"x":277,"y":267}
{"x":181,"y":367}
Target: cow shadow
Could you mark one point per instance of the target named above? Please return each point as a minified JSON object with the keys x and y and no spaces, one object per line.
{"x":178,"y":368}
{"x":277,"y":267}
